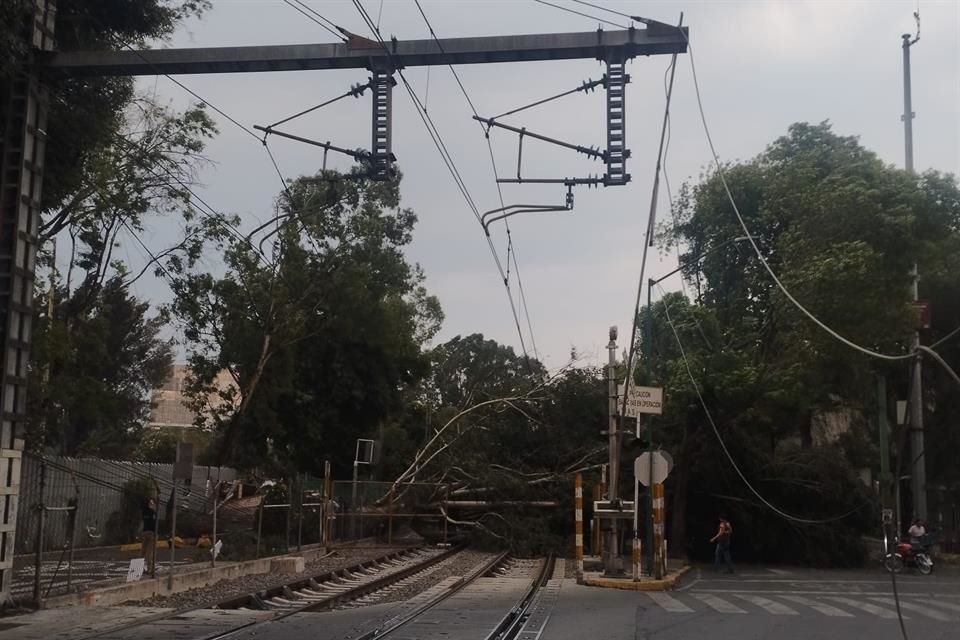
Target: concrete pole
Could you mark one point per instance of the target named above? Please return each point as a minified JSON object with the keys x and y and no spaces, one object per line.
{"x":918,"y":472}
{"x":614,"y":464}
{"x":612,"y":565}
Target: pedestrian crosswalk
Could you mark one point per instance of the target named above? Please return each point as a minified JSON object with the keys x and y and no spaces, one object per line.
{"x":943,"y":609}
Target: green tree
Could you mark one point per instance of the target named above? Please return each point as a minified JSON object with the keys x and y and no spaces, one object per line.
{"x":322,"y":336}
{"x":90,"y":392}
{"x":840,"y":229}
{"x":85,"y":113}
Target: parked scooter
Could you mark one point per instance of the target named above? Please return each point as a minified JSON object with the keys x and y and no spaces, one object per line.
{"x":910,"y":555}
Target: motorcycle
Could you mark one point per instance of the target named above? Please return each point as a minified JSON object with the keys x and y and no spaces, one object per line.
{"x":909,"y":555}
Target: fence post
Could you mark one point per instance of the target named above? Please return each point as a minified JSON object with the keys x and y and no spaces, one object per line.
{"x":42,"y":515}
{"x":259,"y":525}
{"x":289,"y":512}
{"x":443,"y":512}
{"x":156,"y":530}
{"x":72,"y":524}
{"x":390,"y":516}
{"x":173,"y":537}
{"x":299,"y":511}
{"x":213,"y":536}
{"x":326,"y":520}
{"x":578,"y":519}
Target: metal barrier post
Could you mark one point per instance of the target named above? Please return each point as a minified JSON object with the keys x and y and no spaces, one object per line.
{"x":299,"y":511}
{"x":173,"y":537}
{"x":42,"y":515}
{"x":289,"y":514}
{"x":446,"y":497}
{"x":390,"y":516}
{"x":259,"y":526}
{"x":326,"y":520}
{"x":74,"y":516}
{"x":213,"y":536}
{"x":578,"y":519}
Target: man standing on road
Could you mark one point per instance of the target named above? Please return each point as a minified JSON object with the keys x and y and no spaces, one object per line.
{"x":722,"y":551}
{"x":149,"y":536}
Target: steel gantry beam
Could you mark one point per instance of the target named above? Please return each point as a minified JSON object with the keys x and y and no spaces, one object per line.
{"x":360,"y":53}
{"x":383,"y":59}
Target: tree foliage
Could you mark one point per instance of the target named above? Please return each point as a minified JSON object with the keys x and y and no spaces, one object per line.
{"x":840,"y":229}
{"x":112,"y":158}
{"x":92,"y":373}
{"x":319,"y":319}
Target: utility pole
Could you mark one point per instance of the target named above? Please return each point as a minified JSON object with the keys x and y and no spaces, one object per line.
{"x":918,"y":472}
{"x":611,"y":561}
{"x":612,"y":416}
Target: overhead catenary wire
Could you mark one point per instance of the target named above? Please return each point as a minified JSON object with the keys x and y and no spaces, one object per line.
{"x":448,"y":161}
{"x":723,"y":444}
{"x":580,"y":13}
{"x":511,"y":249}
{"x":766,"y":265}
{"x":602,"y":8}
{"x":220,"y":111}
{"x":829,"y":330}
{"x":306,"y":11}
{"x":651,"y":224}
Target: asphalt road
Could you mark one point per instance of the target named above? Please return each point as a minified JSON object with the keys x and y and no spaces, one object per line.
{"x":761,"y":603}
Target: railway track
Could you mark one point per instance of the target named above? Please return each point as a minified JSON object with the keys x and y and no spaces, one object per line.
{"x":420,"y":593}
{"x":321,"y":591}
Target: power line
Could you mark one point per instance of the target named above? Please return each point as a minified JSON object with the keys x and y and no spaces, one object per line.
{"x":580,"y":13}
{"x":231,"y":119}
{"x":651,"y":222}
{"x":723,"y":179}
{"x":602,"y":8}
{"x":486,"y":131}
{"x":310,"y":17}
{"x":723,"y":445}
{"x":448,"y":162}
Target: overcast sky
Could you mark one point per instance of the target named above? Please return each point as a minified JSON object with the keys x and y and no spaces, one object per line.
{"x":761,"y":65}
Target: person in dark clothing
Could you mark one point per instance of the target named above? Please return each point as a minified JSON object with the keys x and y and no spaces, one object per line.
{"x":722,"y":552}
{"x":149,"y":536}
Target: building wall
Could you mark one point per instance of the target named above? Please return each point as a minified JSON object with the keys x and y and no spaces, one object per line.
{"x":169,"y":401}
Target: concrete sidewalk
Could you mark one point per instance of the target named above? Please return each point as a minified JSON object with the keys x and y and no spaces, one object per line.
{"x":593,"y":577}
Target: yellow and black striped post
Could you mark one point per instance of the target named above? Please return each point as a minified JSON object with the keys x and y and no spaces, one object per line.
{"x":578,"y":514}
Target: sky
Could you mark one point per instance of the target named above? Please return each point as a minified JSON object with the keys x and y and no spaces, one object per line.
{"x":761,"y":66}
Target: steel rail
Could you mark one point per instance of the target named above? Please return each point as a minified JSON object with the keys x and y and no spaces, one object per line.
{"x":394,"y":624}
{"x":229,"y":602}
{"x":351,"y":594}
{"x":513,"y":622}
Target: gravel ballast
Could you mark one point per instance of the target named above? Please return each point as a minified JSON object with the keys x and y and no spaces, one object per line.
{"x":225,"y":589}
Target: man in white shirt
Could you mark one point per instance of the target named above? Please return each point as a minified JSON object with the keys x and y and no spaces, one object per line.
{"x":917,"y":532}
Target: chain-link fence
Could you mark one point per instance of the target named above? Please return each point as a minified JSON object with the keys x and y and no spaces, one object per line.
{"x":82,"y":518}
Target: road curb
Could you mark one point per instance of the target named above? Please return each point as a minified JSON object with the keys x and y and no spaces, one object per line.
{"x":628,"y":584}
